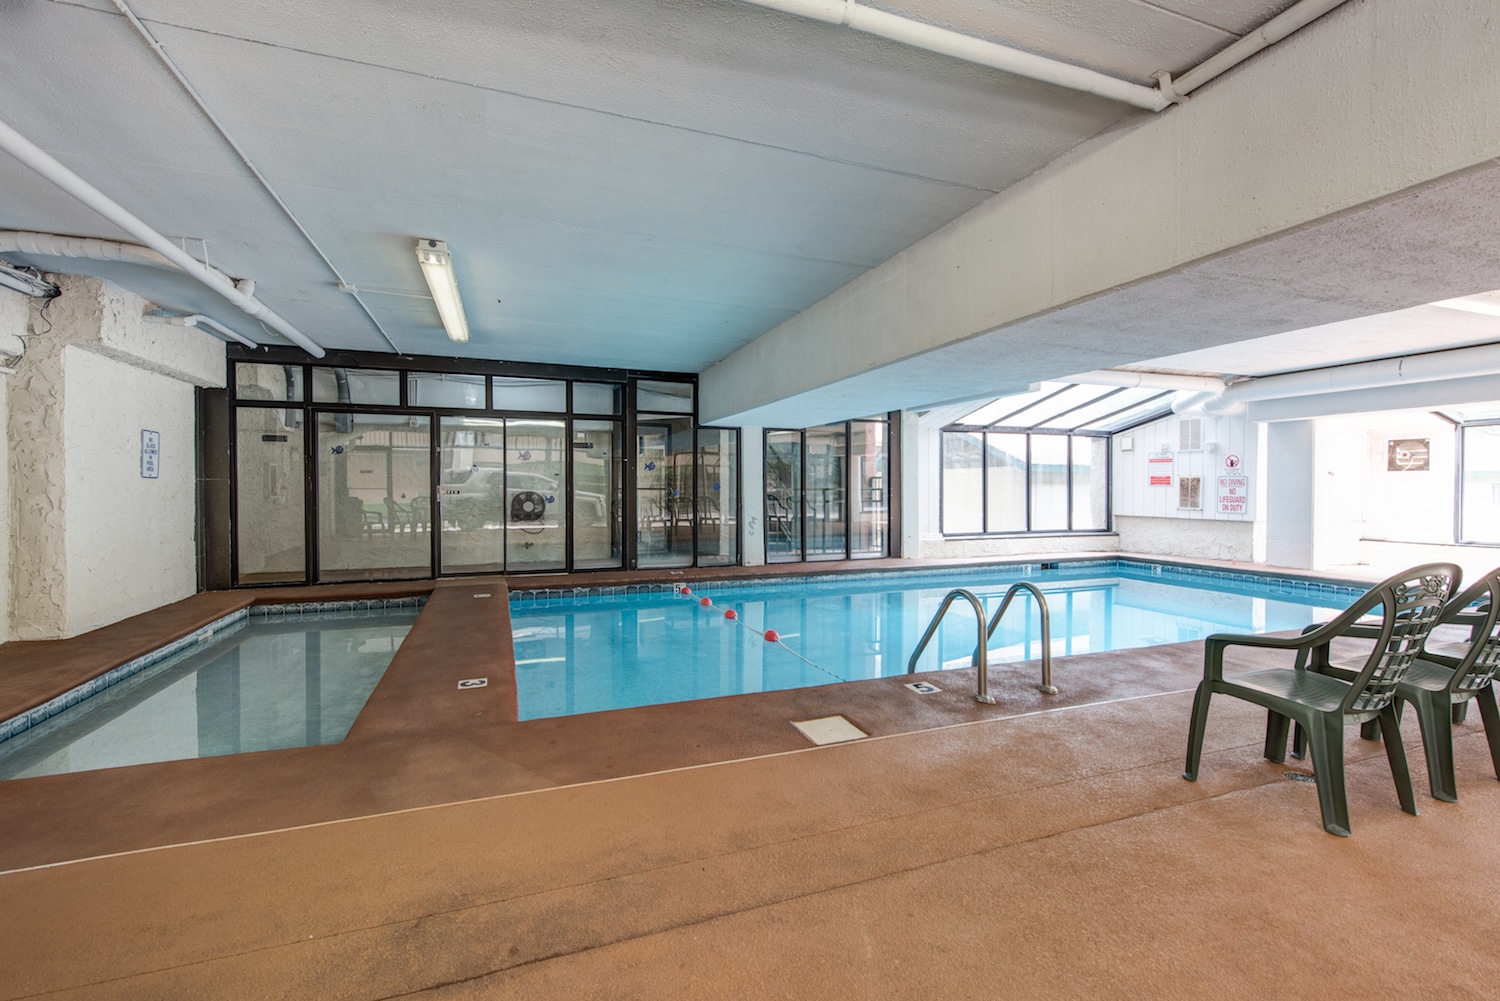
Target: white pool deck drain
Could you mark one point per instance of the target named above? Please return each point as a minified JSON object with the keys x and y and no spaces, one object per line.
{"x":829,"y":730}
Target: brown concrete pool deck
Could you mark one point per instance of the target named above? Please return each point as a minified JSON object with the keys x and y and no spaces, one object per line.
{"x":1043,"y":847}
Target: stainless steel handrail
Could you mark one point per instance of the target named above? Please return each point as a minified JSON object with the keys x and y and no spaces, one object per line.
{"x":981,"y":656}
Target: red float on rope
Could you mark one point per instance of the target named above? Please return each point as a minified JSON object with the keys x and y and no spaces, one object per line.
{"x":729,"y":613}
{"x":772,"y":636}
{"x":705,"y":602}
{"x":687,"y":590}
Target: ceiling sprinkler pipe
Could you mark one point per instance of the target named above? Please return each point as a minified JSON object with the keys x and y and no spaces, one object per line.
{"x":1147,"y":380}
{"x":43,"y":163}
{"x":197,"y":320}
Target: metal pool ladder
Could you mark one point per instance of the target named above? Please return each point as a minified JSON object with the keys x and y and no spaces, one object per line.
{"x":982,"y":649}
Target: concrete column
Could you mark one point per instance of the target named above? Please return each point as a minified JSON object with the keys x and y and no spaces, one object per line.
{"x":13,"y":315}
{"x":93,"y":540}
{"x":1290,"y":455}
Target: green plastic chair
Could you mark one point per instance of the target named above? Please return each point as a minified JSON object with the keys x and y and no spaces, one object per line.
{"x":1321,"y":705}
{"x":1444,"y":678}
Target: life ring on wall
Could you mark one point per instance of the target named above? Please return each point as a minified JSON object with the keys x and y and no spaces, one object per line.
{"x":527,"y":505}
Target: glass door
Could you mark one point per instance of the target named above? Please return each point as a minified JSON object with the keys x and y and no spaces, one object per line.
{"x":374,"y":503}
{"x":664,"y":492}
{"x":536,"y":489}
{"x":783,"y":496}
{"x":598,"y":478}
{"x":471,"y":494}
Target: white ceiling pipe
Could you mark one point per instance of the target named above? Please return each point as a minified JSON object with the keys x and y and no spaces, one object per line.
{"x":43,"y":163}
{"x":971,"y":49}
{"x":1283,"y":24}
{"x":199,"y":320}
{"x":83,"y":247}
{"x":1433,"y":366}
{"x":1147,"y":380}
{"x":921,"y":35}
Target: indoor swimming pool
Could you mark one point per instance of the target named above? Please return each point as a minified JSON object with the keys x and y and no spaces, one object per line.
{"x":266,"y":679}
{"x":587,"y":653}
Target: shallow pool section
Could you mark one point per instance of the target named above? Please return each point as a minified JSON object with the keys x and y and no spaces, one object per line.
{"x":257,"y":684}
{"x":579,"y":654}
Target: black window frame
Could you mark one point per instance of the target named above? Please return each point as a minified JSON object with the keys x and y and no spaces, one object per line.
{"x":984,"y":481}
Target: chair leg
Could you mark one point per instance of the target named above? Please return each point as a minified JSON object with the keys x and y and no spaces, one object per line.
{"x":1491,"y":717}
{"x":1326,"y":741}
{"x":1370,"y":729}
{"x":1276,"y":727}
{"x":1437,"y":743}
{"x":1395,"y":752}
{"x":1299,"y":742}
{"x":1195,"y":731}
{"x":1460,"y":711}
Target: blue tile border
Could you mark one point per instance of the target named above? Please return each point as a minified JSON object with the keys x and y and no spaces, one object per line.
{"x":1342,"y":591}
{"x":25,"y":721}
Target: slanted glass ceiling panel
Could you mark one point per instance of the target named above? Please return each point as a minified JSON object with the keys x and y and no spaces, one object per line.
{"x":1472,"y":412}
{"x":996,"y":409}
{"x":1107,"y":401}
{"x":1049,"y":407}
{"x":1149,"y":410}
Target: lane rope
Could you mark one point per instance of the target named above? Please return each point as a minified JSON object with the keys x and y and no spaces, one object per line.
{"x":769,"y":635}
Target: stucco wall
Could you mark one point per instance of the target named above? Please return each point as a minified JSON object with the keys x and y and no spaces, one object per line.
{"x":1211,"y":540}
{"x":129,"y":539}
{"x":13,"y":308}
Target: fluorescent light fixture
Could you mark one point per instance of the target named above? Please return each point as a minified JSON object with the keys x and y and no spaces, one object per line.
{"x":437,"y":268}
{"x":1485,"y":304}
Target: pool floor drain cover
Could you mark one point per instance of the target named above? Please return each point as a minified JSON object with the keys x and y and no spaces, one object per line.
{"x":1299,"y":776}
{"x":829,"y":730}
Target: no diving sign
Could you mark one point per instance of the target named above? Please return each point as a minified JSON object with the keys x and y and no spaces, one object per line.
{"x":1234,"y":494}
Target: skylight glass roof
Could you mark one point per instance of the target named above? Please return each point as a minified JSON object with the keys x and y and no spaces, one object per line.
{"x":1061,"y":406}
{"x":1472,"y":412}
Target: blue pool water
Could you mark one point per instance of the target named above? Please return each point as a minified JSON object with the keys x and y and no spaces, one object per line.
{"x":586,"y":654}
{"x":261,"y":683}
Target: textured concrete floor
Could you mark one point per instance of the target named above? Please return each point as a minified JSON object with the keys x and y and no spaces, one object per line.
{"x":1057,"y":855}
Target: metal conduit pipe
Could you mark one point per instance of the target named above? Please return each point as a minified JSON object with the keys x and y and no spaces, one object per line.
{"x":199,"y":320}
{"x":1147,"y":380}
{"x":43,"y":163}
{"x":1459,"y":363}
{"x":982,"y":52}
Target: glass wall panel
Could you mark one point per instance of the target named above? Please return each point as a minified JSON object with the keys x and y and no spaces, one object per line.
{"x":783,"y":461}
{"x":268,"y":382}
{"x":374,"y":503}
{"x":718,"y":497}
{"x":269,"y":498}
{"x":1049,"y":483}
{"x":827,"y":480}
{"x":441,"y":389}
{"x":546,"y":395}
{"x":356,"y":385}
{"x":536,"y":524}
{"x":471,"y":493}
{"x":1005,"y":471}
{"x":664,"y":491}
{"x":596,"y":398}
{"x":1090,"y":484}
{"x":1481,"y":490}
{"x":664,"y":397}
{"x":869,"y":519}
{"x":598,"y":485}
{"x":963,"y":486}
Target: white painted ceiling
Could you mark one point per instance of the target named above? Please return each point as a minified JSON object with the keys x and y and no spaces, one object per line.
{"x":638,"y":183}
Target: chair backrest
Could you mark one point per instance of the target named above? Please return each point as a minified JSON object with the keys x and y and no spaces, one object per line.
{"x":1411,"y":602}
{"x":1479,"y":665}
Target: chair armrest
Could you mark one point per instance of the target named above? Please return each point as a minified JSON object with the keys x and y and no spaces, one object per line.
{"x":1215,"y":645}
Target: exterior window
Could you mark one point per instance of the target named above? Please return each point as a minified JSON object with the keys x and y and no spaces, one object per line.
{"x":1001,"y":482}
{"x":1480,"y":514}
{"x":827,"y":492}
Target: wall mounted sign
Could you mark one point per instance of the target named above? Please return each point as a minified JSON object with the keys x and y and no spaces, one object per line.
{"x":150,"y":455}
{"x":1407,"y":455}
{"x":1231,"y":461}
{"x":1234,"y":494}
{"x":1159,"y":470}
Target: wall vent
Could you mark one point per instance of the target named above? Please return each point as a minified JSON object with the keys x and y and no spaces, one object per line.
{"x":1190,"y":493}
{"x":1190,"y":434}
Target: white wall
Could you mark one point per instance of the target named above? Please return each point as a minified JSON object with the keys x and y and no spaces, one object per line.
{"x":13,"y":310}
{"x":91,"y":541}
{"x":1148,"y":518}
{"x":129,"y":539}
{"x":1289,"y":493}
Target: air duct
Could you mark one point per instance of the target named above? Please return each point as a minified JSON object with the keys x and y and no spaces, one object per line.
{"x":1147,"y":380}
{"x":1433,"y":366}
